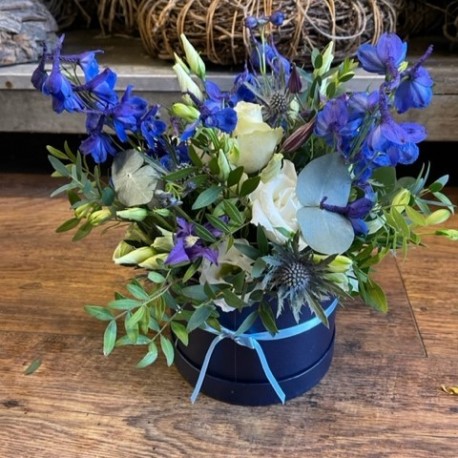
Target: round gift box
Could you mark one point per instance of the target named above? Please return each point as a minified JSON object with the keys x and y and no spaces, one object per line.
{"x":235,"y":374}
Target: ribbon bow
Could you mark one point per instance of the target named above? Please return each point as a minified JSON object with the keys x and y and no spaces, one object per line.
{"x":252,"y":341}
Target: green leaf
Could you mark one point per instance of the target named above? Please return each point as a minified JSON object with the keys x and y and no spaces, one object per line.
{"x":200,"y":315}
{"x":167,"y":349}
{"x":101,"y":313}
{"x":203,"y":233}
{"x":137,"y":291}
{"x":180,"y":331}
{"x":180,"y":174}
{"x":248,"y":186}
{"x":108,"y":195}
{"x":247,"y":323}
{"x":125,"y":340}
{"x":57,"y":153}
{"x":136,"y":317}
{"x":148,"y":359}
{"x":195,"y":292}
{"x":234,"y":177}
{"x":83,"y":231}
{"x":331,"y":89}
{"x":58,"y":166}
{"x":156,"y":277}
{"x":233,"y":213}
{"x":439,"y":184}
{"x":124,"y":304}
{"x":233,"y":300}
{"x":218,"y":224}
{"x":263,"y":242}
{"x":33,"y":366}
{"x":109,"y":337}
{"x":374,"y":296}
{"x":267,"y":317}
{"x":207,"y":197}
{"x":68,"y":225}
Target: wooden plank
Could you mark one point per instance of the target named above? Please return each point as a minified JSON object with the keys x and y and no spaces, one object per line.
{"x":381,"y":397}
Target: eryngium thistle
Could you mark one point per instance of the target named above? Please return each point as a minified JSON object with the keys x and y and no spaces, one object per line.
{"x":299,"y":281}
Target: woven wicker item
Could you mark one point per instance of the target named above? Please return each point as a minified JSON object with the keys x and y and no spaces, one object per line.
{"x":118,"y":16}
{"x":67,"y":12}
{"x":451,"y":22}
{"x":215,"y":27}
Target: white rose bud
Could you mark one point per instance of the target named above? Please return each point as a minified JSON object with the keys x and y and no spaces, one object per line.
{"x":255,"y":138}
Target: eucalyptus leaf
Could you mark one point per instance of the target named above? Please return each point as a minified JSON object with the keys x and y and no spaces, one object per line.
{"x":167,"y":349}
{"x":133,"y":180}
{"x":325,"y":231}
{"x":325,"y":179}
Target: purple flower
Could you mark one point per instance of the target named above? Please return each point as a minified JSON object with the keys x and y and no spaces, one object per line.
{"x":415,"y":91}
{"x":126,"y":115}
{"x":152,"y":127}
{"x":99,"y":145}
{"x":386,"y":56}
{"x":188,"y":246}
{"x":101,"y":88}
{"x":59,"y":87}
{"x":354,"y":211}
{"x":277,"y":18}
{"x":331,"y":120}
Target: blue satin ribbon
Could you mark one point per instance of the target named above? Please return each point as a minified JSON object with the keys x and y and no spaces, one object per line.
{"x":252,"y":341}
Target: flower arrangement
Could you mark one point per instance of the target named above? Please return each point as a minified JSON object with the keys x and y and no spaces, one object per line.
{"x":269,"y":198}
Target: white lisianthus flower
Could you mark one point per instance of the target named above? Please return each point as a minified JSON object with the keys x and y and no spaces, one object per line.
{"x":227,"y":260}
{"x":256,"y":140}
{"x":275,"y":204}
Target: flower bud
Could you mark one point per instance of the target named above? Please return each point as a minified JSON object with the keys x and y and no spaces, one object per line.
{"x":187,"y":84}
{"x":298,"y":137}
{"x":154,"y":262}
{"x":82,"y":211}
{"x":186,"y":112}
{"x":192,"y":56}
{"x":136,"y":256}
{"x":223,"y":165}
{"x":164,"y":243}
{"x":99,"y":216}
{"x":134,"y":214}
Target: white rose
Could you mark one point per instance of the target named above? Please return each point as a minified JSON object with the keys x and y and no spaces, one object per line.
{"x":256,"y":140}
{"x":275,"y":204}
{"x":232,"y":258}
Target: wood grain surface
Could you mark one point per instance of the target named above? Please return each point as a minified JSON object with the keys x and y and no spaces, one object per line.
{"x":382,"y":396}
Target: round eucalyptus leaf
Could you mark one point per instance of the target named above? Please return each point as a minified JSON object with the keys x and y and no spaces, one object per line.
{"x":325,"y":177}
{"x":133,"y":180}
{"x":326,"y":232}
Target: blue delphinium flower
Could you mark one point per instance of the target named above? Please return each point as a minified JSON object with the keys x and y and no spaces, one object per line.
{"x":102,"y":90}
{"x":388,"y":54}
{"x":98,"y":145}
{"x":60,"y":88}
{"x":152,"y":127}
{"x":126,"y":115}
{"x":188,"y":246}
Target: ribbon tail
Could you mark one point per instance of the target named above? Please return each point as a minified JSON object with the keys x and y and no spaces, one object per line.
{"x":270,"y":376}
{"x":204,"y":368}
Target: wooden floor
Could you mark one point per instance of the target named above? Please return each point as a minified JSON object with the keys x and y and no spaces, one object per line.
{"x":381,"y":398}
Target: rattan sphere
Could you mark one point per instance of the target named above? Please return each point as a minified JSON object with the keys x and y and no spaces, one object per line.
{"x":216,"y":27}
